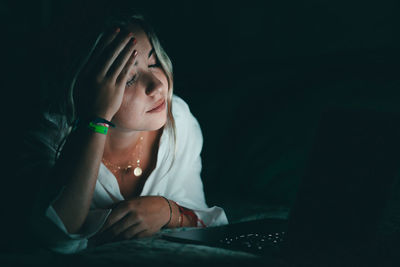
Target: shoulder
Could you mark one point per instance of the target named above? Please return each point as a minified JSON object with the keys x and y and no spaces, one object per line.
{"x":40,"y":144}
{"x":182,"y":112}
{"x":188,"y":130}
{"x":49,"y":130}
{"x":179,"y":107}
{"x":184,"y":118}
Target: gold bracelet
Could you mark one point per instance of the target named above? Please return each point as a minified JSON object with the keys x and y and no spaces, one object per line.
{"x":180,"y":218}
{"x":170,"y":212}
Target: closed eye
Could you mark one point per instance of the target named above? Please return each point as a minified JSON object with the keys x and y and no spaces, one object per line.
{"x":155,"y":65}
{"x":132,"y":81}
{"x":135,"y":77}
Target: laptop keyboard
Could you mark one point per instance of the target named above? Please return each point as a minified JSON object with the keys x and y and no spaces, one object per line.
{"x":253,"y":241}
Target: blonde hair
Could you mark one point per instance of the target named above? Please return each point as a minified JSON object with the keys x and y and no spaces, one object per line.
{"x":164,"y":60}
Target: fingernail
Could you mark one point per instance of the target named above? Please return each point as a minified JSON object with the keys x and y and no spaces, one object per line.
{"x":134,"y":53}
{"x":117,"y":29}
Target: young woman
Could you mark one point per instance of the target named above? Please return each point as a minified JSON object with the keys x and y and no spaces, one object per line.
{"x":124,"y":162}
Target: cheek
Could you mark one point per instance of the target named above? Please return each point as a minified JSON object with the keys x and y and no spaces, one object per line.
{"x":130,"y":105}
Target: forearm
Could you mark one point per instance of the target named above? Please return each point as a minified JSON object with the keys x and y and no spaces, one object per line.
{"x":78,"y":166}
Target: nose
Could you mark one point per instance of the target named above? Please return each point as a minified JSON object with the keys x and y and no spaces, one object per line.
{"x":151,"y":84}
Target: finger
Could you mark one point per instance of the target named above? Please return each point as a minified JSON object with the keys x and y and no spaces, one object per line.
{"x":121,"y":62}
{"x":116,"y":214}
{"x":125,"y":235}
{"x":111,"y":53}
{"x":123,"y":75}
{"x":131,"y":232}
{"x":119,"y":227}
{"x":103,"y":41}
{"x":144,"y":233}
{"x":106,"y":38}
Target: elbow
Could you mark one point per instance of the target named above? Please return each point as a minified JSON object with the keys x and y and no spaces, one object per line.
{"x":66,"y":220}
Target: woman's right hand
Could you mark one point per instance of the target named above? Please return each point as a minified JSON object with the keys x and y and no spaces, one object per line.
{"x":101,"y":84}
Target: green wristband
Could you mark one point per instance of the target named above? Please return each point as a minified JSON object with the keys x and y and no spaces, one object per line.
{"x":98,"y":128}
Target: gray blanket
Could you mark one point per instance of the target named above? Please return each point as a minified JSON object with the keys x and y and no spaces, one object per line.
{"x":154,"y":251}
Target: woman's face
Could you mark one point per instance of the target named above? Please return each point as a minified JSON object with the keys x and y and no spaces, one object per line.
{"x":147,"y":86}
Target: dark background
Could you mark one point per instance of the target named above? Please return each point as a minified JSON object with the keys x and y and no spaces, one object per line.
{"x":256,"y":75}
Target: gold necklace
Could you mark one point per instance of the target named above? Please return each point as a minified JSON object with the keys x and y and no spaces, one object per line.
{"x":116,"y":168}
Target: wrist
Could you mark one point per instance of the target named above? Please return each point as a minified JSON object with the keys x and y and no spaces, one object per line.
{"x":169,"y":209}
{"x":100,"y":111}
{"x":94,"y":123}
{"x":104,"y":115}
{"x":177,"y":215}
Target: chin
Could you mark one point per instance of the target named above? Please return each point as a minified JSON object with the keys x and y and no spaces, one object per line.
{"x":158,"y":125}
{"x":151,"y":124}
{"x":155,"y":124}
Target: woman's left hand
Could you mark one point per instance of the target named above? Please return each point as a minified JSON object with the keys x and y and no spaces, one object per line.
{"x":139,"y":217}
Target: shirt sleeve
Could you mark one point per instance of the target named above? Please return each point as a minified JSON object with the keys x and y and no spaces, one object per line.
{"x":184,"y":185}
{"x":60,"y":240}
{"x":48,"y":229}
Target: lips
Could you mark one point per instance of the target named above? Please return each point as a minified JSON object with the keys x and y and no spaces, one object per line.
{"x":158,"y":104}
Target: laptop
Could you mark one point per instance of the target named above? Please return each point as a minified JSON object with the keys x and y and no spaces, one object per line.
{"x":353,"y":163}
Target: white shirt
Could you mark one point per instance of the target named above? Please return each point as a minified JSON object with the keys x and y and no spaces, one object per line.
{"x":181,"y":184}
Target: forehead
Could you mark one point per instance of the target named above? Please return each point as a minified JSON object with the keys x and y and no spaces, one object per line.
{"x":141,"y":37}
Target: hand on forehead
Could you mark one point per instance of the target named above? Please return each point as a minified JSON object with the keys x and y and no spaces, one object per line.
{"x":143,"y":45}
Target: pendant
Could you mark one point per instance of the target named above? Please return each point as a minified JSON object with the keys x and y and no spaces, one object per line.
{"x":137,"y":171}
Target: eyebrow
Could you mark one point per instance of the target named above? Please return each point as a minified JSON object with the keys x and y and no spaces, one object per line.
{"x":150,"y":53}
